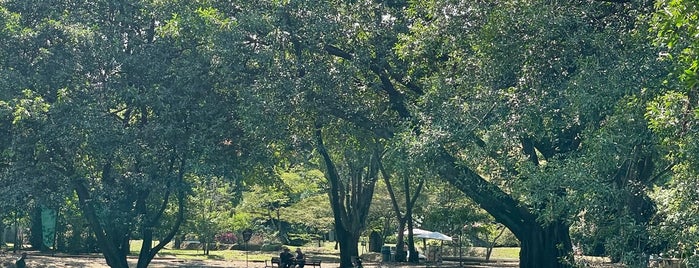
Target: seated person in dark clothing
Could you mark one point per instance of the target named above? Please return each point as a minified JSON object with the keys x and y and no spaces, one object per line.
{"x":20,"y":263}
{"x":300,"y":258}
{"x":286,"y":259}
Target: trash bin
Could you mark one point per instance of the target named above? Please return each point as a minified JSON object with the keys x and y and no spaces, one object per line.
{"x":386,"y":253}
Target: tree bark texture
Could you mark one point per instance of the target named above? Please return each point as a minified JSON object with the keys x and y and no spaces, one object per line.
{"x":547,"y":246}
{"x":541,"y":246}
{"x":112,"y":254}
{"x":403,"y":219}
{"x":350,"y":200}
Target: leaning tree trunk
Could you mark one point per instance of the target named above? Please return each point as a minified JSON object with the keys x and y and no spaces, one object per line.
{"x":112,"y":254}
{"x":542,"y":246}
{"x":148,"y":252}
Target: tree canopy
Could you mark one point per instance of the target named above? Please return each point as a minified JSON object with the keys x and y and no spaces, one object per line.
{"x":566,"y":122}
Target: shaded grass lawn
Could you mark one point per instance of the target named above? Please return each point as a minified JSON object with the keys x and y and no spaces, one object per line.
{"x":500,"y":253}
{"x":326,"y":252}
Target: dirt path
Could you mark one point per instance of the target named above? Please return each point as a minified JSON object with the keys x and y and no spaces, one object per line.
{"x":43,"y":261}
{"x":96,"y":261}
{"x":7,"y":260}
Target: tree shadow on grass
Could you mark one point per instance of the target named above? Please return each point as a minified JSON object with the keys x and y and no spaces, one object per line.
{"x":193,"y":256}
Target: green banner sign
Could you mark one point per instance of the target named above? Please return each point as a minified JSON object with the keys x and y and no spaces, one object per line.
{"x":48,"y":226}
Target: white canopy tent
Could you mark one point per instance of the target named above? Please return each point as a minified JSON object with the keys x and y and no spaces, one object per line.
{"x":417,"y":231}
{"x":435,"y":235}
{"x":420,"y":233}
{"x":424,"y":234}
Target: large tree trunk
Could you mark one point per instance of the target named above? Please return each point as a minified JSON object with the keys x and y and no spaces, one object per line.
{"x":401,"y":254}
{"x":413,"y":256}
{"x":36,"y":235}
{"x":548,"y":246}
{"x":542,"y":246}
{"x":348,"y":246}
{"x":350,"y":199}
{"x":112,"y":254}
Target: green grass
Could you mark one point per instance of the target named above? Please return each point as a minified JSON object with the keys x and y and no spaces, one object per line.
{"x":506,"y":253}
{"x":498,"y":253}
{"x":325,"y":252}
{"x":214,"y":254}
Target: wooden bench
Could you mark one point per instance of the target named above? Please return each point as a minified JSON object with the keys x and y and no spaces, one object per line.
{"x":275,"y":262}
{"x":313,"y":263}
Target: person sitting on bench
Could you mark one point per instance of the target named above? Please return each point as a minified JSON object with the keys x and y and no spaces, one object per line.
{"x":300,"y":258}
{"x":21,"y":263}
{"x":286,"y":259}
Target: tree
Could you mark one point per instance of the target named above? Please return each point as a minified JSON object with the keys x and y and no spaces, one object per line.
{"x":673,"y":117}
{"x":210,"y":208}
{"x":291,"y":202}
{"x":541,"y":94}
{"x":482,"y":94}
{"x":265,"y":203}
{"x":310,"y":212}
{"x":352,"y":180}
{"x":128,"y":102}
{"x":404,"y":219}
{"x":510,"y":104}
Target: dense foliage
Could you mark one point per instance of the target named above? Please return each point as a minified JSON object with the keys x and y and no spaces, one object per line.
{"x":569,"y":122}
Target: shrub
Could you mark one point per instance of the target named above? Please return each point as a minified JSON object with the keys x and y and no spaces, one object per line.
{"x":271,"y":247}
{"x":297,"y":240}
{"x":226,"y":238}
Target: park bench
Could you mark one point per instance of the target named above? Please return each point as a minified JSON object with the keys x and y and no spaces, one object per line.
{"x":312,"y":263}
{"x":275,"y":263}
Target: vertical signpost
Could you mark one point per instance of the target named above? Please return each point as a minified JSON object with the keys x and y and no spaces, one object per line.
{"x":466,"y":229}
{"x":461,"y":254}
{"x":247,"y":234}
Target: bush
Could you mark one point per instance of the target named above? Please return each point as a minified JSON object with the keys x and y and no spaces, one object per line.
{"x":508,"y":239}
{"x":297,"y":240}
{"x":271,"y":247}
{"x":249,"y":246}
{"x":226,"y":238}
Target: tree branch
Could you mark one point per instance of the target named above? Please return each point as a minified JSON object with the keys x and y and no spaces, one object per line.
{"x":180,"y":212}
{"x":335,"y":51}
{"x":394,"y":97}
{"x":389,"y":187}
{"x":334,"y":179}
{"x":357,"y":119}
